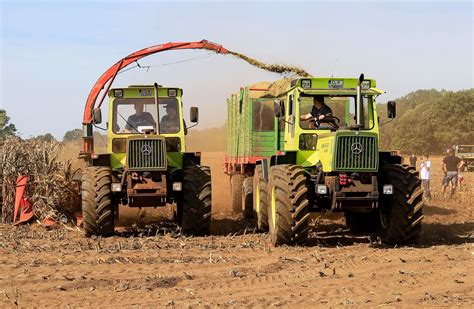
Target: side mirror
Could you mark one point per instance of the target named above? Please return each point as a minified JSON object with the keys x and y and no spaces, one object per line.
{"x":391,"y":109}
{"x":97,"y":116}
{"x":279,"y":108}
{"x":194,"y":114}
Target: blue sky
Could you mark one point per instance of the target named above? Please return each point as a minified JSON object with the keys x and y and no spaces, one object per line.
{"x":52,"y":52}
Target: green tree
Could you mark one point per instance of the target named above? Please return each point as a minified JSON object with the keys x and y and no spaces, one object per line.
{"x":72,"y":135}
{"x":428,"y":121}
{"x":48,"y":137}
{"x":6,"y":128}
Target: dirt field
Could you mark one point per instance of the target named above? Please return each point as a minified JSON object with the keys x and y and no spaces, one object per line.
{"x":149,"y":266}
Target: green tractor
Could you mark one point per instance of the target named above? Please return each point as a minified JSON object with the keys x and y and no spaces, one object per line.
{"x":145,"y":164}
{"x":285,"y":161}
{"x":466,"y":153}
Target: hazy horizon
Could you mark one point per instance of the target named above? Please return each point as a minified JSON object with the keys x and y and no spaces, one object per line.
{"x":52,"y":52}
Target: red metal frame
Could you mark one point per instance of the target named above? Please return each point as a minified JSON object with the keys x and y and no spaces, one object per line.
{"x":112,"y":72}
{"x":230,"y":164}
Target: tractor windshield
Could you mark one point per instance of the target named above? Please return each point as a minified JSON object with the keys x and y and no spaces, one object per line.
{"x":140,"y":115}
{"x":338,"y":111}
{"x":465,"y":149}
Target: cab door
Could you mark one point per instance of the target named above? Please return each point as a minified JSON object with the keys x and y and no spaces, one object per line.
{"x":290,"y":122}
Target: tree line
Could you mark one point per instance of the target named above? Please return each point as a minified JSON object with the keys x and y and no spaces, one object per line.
{"x":429,"y":121}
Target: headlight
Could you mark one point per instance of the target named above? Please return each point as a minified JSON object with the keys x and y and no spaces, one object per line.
{"x":321,"y":189}
{"x":365,"y":84}
{"x":177,"y":186}
{"x":118,"y":93}
{"x":172,"y":92}
{"x":387,"y":189}
{"x":116,"y":187}
{"x":119,"y":145}
{"x":306,"y":83}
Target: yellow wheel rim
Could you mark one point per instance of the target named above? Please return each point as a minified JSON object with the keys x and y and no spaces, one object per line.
{"x":257,"y":199}
{"x":273,"y":208}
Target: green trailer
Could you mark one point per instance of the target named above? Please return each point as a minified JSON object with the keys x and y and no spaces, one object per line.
{"x":286,"y":159}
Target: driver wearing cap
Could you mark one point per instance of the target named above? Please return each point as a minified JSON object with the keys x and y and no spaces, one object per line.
{"x":170,"y":122}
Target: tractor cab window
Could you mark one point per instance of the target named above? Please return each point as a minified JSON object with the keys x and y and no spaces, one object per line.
{"x":141,"y":115}
{"x":339,"y":112}
{"x":465,"y":149}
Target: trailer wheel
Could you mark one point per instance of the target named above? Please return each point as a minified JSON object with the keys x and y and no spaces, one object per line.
{"x":97,"y":206}
{"x":236,"y":181}
{"x":260,"y":200}
{"x":400,"y":214}
{"x":362,"y":222}
{"x":288,"y":205}
{"x":247,"y":197}
{"x":194,"y":207}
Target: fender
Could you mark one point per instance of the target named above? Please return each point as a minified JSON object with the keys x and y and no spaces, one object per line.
{"x":287,"y":157}
{"x":389,"y":157}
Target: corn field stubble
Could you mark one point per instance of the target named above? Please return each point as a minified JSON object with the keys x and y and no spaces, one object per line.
{"x":156,"y":266}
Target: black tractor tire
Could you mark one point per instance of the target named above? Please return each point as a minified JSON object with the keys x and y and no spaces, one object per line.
{"x":97,"y":206}
{"x":195,"y":204}
{"x":236,"y":181}
{"x":400,"y":214}
{"x":260,"y":200}
{"x":362,"y":222}
{"x":288,"y":207}
{"x":247,"y":197}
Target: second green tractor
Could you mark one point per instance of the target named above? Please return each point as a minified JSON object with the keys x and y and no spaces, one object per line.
{"x":284,"y":165}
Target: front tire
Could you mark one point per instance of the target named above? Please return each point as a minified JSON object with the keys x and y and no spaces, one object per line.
{"x":195,"y":206}
{"x":97,"y":206}
{"x":288,"y":205}
{"x":400,"y":214}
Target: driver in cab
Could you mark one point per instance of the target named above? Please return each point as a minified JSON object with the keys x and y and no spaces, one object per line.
{"x":170,"y":122}
{"x":318,"y":113}
{"x":140,"y":118}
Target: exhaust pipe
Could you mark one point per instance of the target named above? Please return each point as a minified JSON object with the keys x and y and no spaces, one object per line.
{"x":359,"y":110}
{"x":157,"y":109}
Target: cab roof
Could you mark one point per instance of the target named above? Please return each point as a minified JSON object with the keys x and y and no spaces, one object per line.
{"x":144,"y":91}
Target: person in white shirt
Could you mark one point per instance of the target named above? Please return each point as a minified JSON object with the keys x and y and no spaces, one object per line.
{"x":425,"y":173}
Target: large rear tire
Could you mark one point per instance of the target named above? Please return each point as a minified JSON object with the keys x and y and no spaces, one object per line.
{"x":194,"y":208}
{"x":288,"y":205}
{"x":400,"y":214}
{"x":236,"y":181}
{"x":260,"y":200}
{"x":97,"y":206}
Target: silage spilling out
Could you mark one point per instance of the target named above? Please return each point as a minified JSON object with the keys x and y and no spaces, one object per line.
{"x":51,"y":190}
{"x":276,"y":68}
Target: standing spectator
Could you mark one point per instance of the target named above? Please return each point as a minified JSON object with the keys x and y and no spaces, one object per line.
{"x":451,"y":165}
{"x":425,"y":173}
{"x":413,"y":159}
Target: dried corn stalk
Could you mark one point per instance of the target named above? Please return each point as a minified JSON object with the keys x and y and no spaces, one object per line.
{"x":276,"y":68}
{"x":51,"y":189}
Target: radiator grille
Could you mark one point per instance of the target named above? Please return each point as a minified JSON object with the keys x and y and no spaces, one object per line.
{"x":356,"y":153}
{"x":146,"y":154}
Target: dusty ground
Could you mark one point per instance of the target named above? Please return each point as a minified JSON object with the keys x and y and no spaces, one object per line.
{"x":152,"y":266}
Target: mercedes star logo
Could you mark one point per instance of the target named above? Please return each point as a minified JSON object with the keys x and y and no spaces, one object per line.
{"x":146,"y":150}
{"x":356,"y":148}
